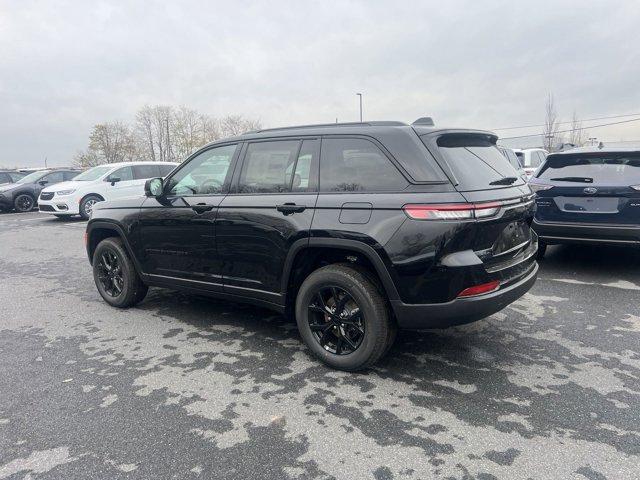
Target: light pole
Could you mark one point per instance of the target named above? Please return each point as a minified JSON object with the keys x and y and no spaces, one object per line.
{"x":360,"y":95}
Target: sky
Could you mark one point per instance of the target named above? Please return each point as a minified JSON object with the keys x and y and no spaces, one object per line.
{"x":65,"y":66}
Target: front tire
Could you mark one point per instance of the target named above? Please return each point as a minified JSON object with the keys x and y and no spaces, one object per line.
{"x":24,"y":203}
{"x":115,"y":276}
{"x":343,"y":318}
{"x":86,"y":205}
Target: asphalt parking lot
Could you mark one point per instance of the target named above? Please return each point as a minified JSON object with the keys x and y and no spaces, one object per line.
{"x":188,"y":387}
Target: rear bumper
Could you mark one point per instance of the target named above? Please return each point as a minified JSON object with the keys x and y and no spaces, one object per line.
{"x":461,"y":310}
{"x":552,"y":233}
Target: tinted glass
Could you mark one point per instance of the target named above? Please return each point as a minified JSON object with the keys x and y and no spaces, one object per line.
{"x":15,"y":176}
{"x":357,"y":165}
{"x":604,"y":169}
{"x":165,"y":170}
{"x":92,"y":174}
{"x":5,"y":178}
{"x":124,"y":174}
{"x":141,"y":172}
{"x":32,"y":177}
{"x":304,"y":179}
{"x":475,"y":161}
{"x":204,"y":174}
{"x":267,"y":167}
{"x":512,"y":157}
{"x":70,"y":175}
{"x":53,"y":177}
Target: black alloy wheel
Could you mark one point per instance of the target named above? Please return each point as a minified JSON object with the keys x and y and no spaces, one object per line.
{"x":24,"y":203}
{"x":110,"y":273}
{"x":336,"y":321}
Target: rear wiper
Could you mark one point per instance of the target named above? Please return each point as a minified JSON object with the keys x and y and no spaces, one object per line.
{"x":504,"y":181}
{"x":574,"y":179}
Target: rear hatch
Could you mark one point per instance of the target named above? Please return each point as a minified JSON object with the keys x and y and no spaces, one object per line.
{"x":502,"y":236}
{"x":590,"y":188}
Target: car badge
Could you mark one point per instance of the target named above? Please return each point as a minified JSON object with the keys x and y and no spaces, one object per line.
{"x":590,"y":190}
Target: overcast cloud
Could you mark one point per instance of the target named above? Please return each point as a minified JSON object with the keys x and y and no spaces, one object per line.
{"x":65,"y":66}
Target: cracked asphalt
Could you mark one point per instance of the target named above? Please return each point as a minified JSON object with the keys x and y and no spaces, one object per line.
{"x":188,"y":387}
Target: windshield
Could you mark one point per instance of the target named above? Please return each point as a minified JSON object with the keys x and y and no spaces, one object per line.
{"x":614,"y":169}
{"x":476,"y":162}
{"x":32,"y":177}
{"x":92,"y":174}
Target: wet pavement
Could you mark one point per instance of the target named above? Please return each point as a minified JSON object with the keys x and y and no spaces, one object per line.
{"x":188,"y":387}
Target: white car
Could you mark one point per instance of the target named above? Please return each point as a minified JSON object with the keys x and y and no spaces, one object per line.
{"x":104,"y":182}
{"x":531,"y":159}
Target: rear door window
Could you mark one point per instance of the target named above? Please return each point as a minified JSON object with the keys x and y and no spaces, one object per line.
{"x":142,"y":172}
{"x":164,"y":170}
{"x":357,"y":165}
{"x":268,"y":166}
{"x":476,"y":162}
{"x":124,"y":174}
{"x":54,"y":177}
{"x":613,"y":169}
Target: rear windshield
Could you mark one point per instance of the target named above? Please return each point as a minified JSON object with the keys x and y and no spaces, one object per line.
{"x":608,"y":169}
{"x":476,"y":162}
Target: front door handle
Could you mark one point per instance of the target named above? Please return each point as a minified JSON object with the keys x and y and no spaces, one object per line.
{"x":290,"y":208}
{"x":201,"y":207}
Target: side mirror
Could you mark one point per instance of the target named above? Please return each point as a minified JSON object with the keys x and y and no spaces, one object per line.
{"x":153,"y":187}
{"x":114,"y":180}
{"x":43,"y":182}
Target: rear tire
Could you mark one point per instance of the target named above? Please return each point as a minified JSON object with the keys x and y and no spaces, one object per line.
{"x":542,"y":249}
{"x":24,"y":203}
{"x":115,"y":276}
{"x":363,"y":309}
{"x":86,"y":205}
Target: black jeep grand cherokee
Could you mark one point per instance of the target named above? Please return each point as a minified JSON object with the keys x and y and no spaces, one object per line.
{"x":355,"y":229}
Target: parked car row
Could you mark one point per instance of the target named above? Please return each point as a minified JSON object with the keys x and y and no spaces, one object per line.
{"x":104,"y":182}
{"x":66,"y":192}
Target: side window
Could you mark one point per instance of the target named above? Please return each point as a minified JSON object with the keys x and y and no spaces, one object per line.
{"x":267,"y":167}
{"x":124,"y":174}
{"x":69,"y":175}
{"x":53,"y":177}
{"x":164,"y":170}
{"x":15,"y":176}
{"x":5,"y":178}
{"x":357,"y":165}
{"x":204,"y":174}
{"x":141,"y":172}
{"x":305,"y":179}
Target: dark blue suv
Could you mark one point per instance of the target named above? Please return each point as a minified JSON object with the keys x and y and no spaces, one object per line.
{"x":588,"y":195}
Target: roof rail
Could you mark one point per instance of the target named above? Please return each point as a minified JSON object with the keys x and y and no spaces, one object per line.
{"x":320,"y":125}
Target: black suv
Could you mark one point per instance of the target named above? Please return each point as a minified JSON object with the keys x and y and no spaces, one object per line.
{"x":22,"y":195}
{"x":354,"y":229}
{"x":588,"y":195}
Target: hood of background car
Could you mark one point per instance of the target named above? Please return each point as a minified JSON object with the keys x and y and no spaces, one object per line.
{"x":65,"y":186}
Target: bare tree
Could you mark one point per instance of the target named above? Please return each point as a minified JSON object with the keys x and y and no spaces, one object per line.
{"x":577,"y":135}
{"x":233,"y":125}
{"x":551,"y":124}
{"x":153,"y":127}
{"x":108,"y":143}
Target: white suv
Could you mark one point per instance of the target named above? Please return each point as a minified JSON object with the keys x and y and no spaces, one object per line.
{"x":104,"y":182}
{"x":531,"y":159}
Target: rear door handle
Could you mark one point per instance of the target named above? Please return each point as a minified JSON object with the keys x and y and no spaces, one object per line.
{"x":201,"y":207}
{"x":289,"y":208}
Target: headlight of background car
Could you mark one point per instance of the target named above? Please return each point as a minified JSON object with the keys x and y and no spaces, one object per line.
{"x":65,"y":192}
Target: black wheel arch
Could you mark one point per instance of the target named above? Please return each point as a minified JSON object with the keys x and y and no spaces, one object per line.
{"x":297,"y":267}
{"x":99,"y":230}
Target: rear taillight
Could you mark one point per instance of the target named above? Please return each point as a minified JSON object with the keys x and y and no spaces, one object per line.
{"x":480,"y":289}
{"x":454,"y":211}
